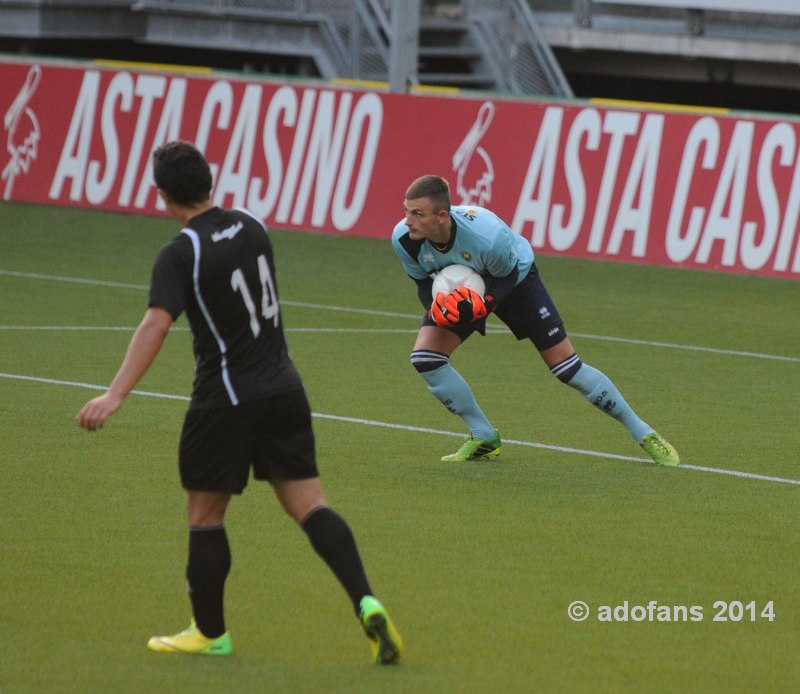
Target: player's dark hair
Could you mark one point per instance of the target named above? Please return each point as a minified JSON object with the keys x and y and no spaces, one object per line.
{"x":434,"y":187}
{"x":181,"y":171}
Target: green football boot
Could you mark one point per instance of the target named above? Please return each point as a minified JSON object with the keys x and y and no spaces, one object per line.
{"x":384,"y":639}
{"x":474,"y":449}
{"x":660,"y":450}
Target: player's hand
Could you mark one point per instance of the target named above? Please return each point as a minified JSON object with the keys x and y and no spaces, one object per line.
{"x":95,"y":412}
{"x":439,"y":312}
{"x":479,"y":306}
{"x":462,"y":305}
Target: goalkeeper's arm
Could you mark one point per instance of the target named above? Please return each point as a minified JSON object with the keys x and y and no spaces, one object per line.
{"x":424,"y":291}
{"x":499,"y":288}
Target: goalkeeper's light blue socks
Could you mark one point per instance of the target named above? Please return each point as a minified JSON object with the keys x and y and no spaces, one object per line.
{"x":452,"y":391}
{"x":598,"y":389}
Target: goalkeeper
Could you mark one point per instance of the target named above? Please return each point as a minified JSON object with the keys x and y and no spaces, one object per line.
{"x":435,"y":234}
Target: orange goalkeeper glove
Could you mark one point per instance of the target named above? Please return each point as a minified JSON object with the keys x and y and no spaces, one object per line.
{"x":462,"y":305}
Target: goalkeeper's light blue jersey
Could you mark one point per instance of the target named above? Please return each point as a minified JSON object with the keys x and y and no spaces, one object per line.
{"x":482,"y":241}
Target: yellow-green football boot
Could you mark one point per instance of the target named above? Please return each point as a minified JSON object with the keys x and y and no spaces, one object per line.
{"x":191,"y":640}
{"x":475,"y":449}
{"x":384,"y":639}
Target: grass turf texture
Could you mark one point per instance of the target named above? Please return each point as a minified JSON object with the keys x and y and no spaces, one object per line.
{"x":477,"y":563}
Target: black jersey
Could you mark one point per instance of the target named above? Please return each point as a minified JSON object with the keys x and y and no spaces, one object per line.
{"x":220,"y":271}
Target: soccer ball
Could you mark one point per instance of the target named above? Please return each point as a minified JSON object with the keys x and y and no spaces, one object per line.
{"x":452,"y":276}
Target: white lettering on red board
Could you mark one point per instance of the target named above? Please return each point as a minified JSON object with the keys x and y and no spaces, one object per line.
{"x":737,"y":223}
{"x":634,"y":210}
{"x":332,"y":138}
{"x":724,"y":221}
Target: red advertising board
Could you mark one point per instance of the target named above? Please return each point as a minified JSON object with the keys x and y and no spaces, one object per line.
{"x":702,"y":190}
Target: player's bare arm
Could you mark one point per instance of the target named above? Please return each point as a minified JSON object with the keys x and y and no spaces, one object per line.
{"x":142,"y":350}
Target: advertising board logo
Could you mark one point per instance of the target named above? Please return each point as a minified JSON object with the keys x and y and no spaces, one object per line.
{"x":22,"y":132}
{"x":472,"y":163}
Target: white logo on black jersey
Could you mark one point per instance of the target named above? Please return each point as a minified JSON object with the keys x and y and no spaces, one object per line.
{"x":228,"y":233}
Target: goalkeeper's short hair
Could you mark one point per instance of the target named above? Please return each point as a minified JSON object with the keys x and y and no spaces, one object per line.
{"x":430,"y":186}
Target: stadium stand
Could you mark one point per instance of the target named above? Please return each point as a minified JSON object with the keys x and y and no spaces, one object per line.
{"x":735,"y":53}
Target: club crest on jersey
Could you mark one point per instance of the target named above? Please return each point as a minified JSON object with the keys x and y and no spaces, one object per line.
{"x":466,"y":255}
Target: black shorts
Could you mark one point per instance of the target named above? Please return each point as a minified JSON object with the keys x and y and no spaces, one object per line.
{"x":528,"y":311}
{"x":274,"y":436}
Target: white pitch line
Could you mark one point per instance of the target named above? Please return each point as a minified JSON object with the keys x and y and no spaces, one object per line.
{"x":693,"y":348}
{"x":72,"y":280}
{"x":350,"y":309}
{"x":564,"y":449}
{"x":416,"y":316}
{"x":87,"y":386}
{"x":424,"y":430}
{"x":130,"y":329}
{"x":401,"y":331}
{"x":70,"y":328}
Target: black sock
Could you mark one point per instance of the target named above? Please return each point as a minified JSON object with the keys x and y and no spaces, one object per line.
{"x":206,"y":571}
{"x":331,"y":538}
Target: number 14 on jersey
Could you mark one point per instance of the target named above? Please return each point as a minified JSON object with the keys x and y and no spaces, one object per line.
{"x":269,"y":297}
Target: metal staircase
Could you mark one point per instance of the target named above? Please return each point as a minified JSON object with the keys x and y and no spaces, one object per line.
{"x":492,"y":45}
{"x":449,"y":55}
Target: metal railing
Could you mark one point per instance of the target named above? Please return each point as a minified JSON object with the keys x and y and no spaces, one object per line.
{"x":516,"y":50}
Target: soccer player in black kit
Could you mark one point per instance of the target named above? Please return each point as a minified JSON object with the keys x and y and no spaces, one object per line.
{"x":248,"y":407}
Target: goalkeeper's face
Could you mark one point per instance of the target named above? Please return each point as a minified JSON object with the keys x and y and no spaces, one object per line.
{"x":425,"y":222}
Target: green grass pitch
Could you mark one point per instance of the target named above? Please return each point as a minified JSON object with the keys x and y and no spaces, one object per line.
{"x":477,"y":563}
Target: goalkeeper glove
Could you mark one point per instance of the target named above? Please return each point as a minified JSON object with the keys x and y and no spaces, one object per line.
{"x":462,"y":305}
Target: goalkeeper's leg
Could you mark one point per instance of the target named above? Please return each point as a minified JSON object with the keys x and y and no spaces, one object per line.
{"x":601,"y":392}
{"x":452,"y":391}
